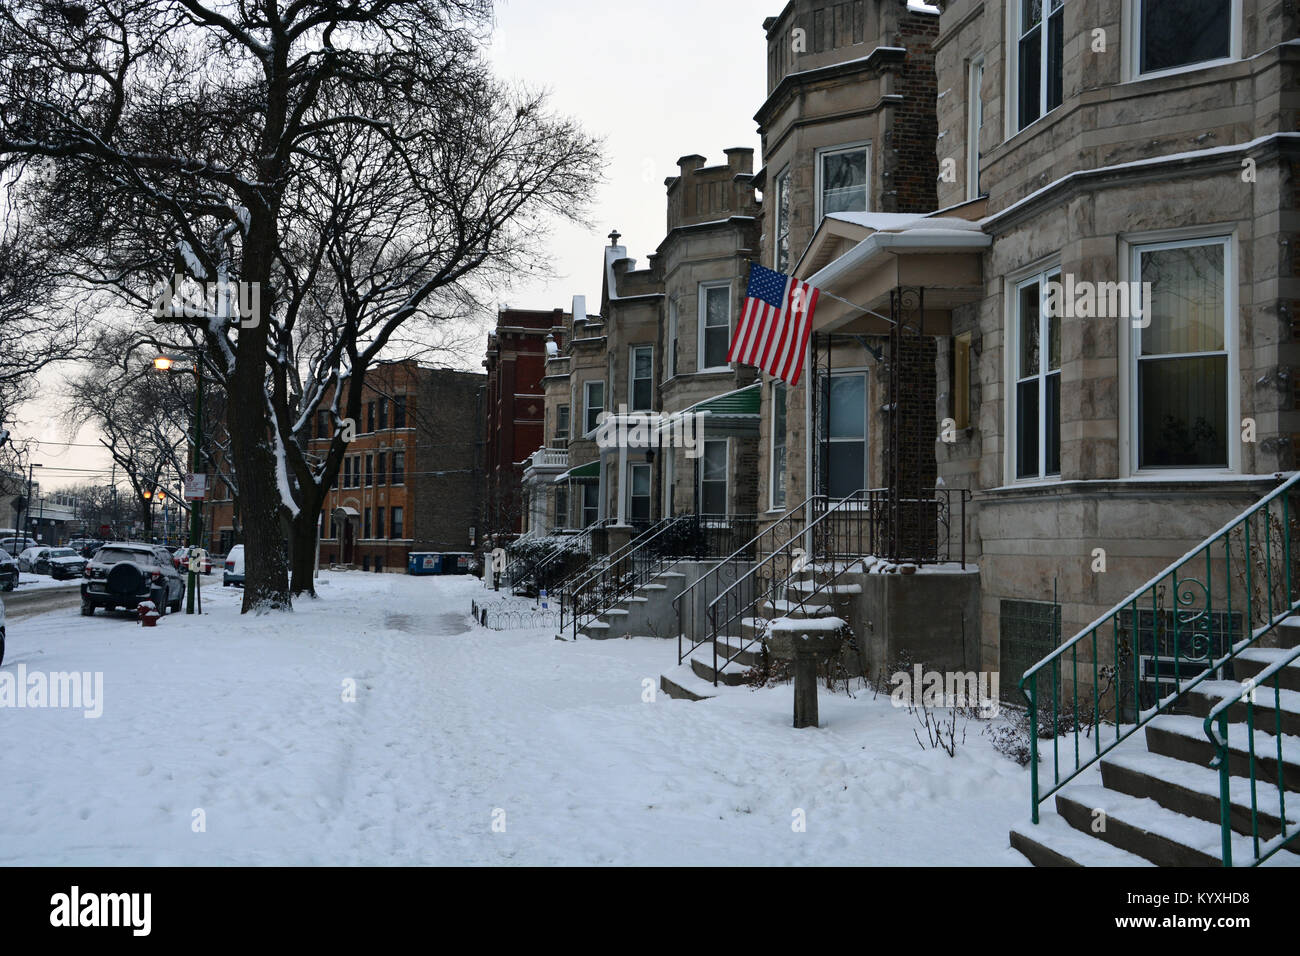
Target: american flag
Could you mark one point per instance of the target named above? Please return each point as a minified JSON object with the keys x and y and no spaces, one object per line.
{"x":775,"y":323}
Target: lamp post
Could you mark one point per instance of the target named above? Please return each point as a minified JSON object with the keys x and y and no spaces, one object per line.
{"x":27,"y":505}
{"x":165,"y":363}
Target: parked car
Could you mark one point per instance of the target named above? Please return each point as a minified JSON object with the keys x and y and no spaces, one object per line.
{"x":234,"y":573}
{"x":58,"y":563}
{"x":124,"y":574}
{"x":182,"y":556}
{"x":8,"y":571}
{"x":16,"y":544}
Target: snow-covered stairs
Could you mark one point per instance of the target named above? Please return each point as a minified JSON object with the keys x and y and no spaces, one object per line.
{"x":738,"y":653}
{"x":640,"y":613}
{"x":1158,"y":798}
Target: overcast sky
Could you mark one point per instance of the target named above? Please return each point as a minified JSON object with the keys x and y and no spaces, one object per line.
{"x":655,"y":81}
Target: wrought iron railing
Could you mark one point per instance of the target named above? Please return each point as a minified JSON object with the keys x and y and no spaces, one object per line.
{"x":1183,"y":626}
{"x":536,"y":572}
{"x":840,"y":531}
{"x":563,"y":592}
{"x":1219,"y":739}
{"x":687,"y":537}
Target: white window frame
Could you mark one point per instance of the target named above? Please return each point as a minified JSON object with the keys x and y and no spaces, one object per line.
{"x":865,"y":147}
{"x":1133,"y":43}
{"x":586,"y":405}
{"x":726,"y":472}
{"x":632,"y":469}
{"x":772,"y":503}
{"x":974,"y":123}
{"x":1132,"y":246}
{"x":1042,"y":275}
{"x":632,"y":379}
{"x":784,"y":176}
{"x":862,"y":372}
{"x":568,"y":425}
{"x":582,"y":502}
{"x":1014,"y":32}
{"x":702,"y":319}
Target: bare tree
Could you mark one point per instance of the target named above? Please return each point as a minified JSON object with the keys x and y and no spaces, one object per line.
{"x":352,"y":162}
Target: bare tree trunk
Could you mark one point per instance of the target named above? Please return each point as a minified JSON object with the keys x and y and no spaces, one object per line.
{"x":302,"y":544}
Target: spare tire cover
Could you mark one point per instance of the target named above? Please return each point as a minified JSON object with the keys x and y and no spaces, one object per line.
{"x":124,"y":578}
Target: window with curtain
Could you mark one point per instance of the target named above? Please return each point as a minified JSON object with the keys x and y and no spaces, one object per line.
{"x":843,"y":174}
{"x":1181,"y":356}
{"x":713,"y":477}
{"x":396,"y":530}
{"x":594,"y":403}
{"x":642,"y":378}
{"x":590,"y":504}
{"x":715,"y":325}
{"x":639,"y":493}
{"x":1038,"y":380}
{"x":399,"y":468}
{"x":562,"y":422}
{"x":843,"y":432}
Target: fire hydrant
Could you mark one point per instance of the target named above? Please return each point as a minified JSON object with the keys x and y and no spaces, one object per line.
{"x":147,"y":614}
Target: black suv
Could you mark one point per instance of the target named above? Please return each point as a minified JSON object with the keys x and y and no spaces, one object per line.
{"x":125,"y":574}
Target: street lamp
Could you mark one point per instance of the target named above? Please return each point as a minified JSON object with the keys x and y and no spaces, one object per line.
{"x":168,"y":364}
{"x":27,"y":505}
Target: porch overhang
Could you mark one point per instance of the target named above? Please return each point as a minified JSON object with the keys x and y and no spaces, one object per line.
{"x":942,"y":255}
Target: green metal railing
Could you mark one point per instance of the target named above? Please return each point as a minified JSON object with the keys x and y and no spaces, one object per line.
{"x":1219,"y":739}
{"x":1184,"y":625}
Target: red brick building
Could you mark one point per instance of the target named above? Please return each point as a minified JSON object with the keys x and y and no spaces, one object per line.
{"x":515,"y":409}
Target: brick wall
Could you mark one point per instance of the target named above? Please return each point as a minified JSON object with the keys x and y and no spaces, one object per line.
{"x":911,"y":166}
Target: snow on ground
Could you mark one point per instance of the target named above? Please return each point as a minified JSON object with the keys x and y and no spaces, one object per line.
{"x":455,"y":727}
{"x":30,"y":581}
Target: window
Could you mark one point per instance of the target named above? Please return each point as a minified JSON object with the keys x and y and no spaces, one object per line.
{"x":782,"y":260}
{"x":593,"y":397}
{"x":322,"y":424}
{"x":1038,"y":380}
{"x":370,"y":470}
{"x":396,"y":531}
{"x":715,"y":325}
{"x":1181,"y":367}
{"x":1176,"y":33}
{"x":399,"y":468}
{"x":590,"y":504}
{"x":638,"y":491}
{"x":399,"y":411}
{"x":974,"y":124}
{"x":1039,"y":62}
{"x":370,"y":416}
{"x":672,"y":340}
{"x":365,"y":522}
{"x":843,"y":432}
{"x":379,"y":522}
{"x":959,"y":382}
{"x":778,"y":444}
{"x":381,"y":469}
{"x":561,"y":507}
{"x":713,"y":477}
{"x":842,"y":180}
{"x":562,"y":422}
{"x":641,"y":372}
{"x":383,"y":414}
{"x":670,"y":471}
{"x":347,"y":472}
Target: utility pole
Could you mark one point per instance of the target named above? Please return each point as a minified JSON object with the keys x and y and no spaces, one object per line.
{"x":196,"y":504}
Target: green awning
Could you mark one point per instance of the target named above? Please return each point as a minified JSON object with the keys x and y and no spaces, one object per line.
{"x":590,"y":470}
{"x":743,"y":401}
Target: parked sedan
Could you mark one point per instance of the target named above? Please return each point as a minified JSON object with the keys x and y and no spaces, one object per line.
{"x":59,"y":563}
{"x":234,"y":572}
{"x":8,"y":571}
{"x":125,"y":574}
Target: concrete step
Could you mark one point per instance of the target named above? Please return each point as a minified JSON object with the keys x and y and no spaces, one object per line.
{"x":1209,"y":694}
{"x":1288,"y":632}
{"x":1254,"y":659}
{"x":731,"y":647}
{"x":1183,"y":738}
{"x":732,"y":674}
{"x":782,"y":608}
{"x":678,"y":689}
{"x":615,"y":612}
{"x":1053,"y":842}
{"x":1193,"y":790}
{"x":1149,"y":830}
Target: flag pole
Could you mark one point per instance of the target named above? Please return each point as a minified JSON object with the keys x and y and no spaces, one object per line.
{"x":860,"y":308}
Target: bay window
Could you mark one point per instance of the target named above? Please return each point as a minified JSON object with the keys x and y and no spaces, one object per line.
{"x":715,"y":325}
{"x":1040,"y":49}
{"x":842,"y":180}
{"x":1175,"y":33}
{"x":641,"y":378}
{"x":593,"y":398}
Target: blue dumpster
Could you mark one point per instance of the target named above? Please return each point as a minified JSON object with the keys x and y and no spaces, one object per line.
{"x":424,"y":562}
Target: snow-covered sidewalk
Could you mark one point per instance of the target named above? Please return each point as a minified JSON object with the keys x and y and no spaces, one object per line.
{"x":463,"y":746}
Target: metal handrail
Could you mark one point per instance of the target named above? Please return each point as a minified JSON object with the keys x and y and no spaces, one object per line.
{"x":1188,"y":621}
{"x":743,"y":607}
{"x":749,"y":547}
{"x":1219,"y":740}
{"x":584,"y":574}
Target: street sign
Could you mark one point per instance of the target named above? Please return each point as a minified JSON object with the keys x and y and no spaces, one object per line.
{"x":196,"y":486}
